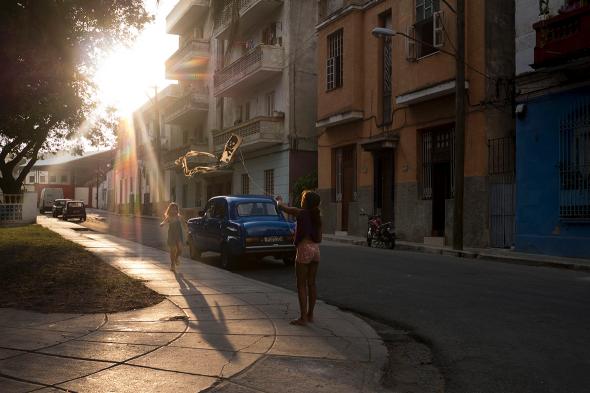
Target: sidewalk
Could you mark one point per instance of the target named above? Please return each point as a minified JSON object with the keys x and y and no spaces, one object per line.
{"x":216,"y":331}
{"x":500,"y":255}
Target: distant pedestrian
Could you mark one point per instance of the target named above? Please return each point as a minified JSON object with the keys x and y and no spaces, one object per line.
{"x":308,"y":237}
{"x":175,"y":223}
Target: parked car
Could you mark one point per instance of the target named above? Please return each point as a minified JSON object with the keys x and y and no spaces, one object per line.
{"x":58,"y":207}
{"x":242,"y":226}
{"x":48,"y":197}
{"x":74,"y":209}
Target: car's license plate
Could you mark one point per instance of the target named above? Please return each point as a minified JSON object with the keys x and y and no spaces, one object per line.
{"x":273,"y":239}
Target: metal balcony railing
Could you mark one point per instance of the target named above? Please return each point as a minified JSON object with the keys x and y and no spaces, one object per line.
{"x":192,"y":49}
{"x":240,"y":8}
{"x":189,"y":102}
{"x":262,"y":57}
{"x":563,"y":37}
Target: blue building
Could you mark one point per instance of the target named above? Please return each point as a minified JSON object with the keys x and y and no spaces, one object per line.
{"x":553,"y":139}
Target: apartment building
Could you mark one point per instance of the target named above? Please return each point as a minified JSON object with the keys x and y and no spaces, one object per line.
{"x":244,"y":67}
{"x":386,"y":112}
{"x":553,"y":127}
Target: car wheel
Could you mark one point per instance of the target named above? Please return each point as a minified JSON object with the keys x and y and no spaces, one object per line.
{"x":227,"y":260}
{"x":194,"y":251}
{"x":289,"y":261}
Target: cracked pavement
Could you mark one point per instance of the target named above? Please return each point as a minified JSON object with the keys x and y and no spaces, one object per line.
{"x":215,"y":331}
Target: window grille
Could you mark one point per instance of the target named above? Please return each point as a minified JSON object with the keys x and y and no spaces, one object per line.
{"x":574,"y":163}
{"x":53,"y":179}
{"x":245,"y":184}
{"x":269,"y":182}
{"x":387,"y":81}
{"x":437,"y":146}
{"x":334,"y":70}
{"x":32,"y":179}
{"x":64,"y":178}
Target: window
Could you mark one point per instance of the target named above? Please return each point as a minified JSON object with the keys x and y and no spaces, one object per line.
{"x":574,"y":163}
{"x":198,"y":193}
{"x":256,"y":209}
{"x":42,"y":179}
{"x":270,"y":103}
{"x":334,"y":69}
{"x":184,"y":137}
{"x":269,"y":182}
{"x":220,"y":211}
{"x":32,"y":179}
{"x":428,"y":22}
{"x":52,"y":179}
{"x":247,"y":111}
{"x":271,"y":34}
{"x":245,"y":184}
{"x":64,"y":178}
{"x":239,"y":113}
{"x":387,"y":69}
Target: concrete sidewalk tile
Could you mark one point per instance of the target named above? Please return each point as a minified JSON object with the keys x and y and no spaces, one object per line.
{"x":337,"y":348}
{"x":175,"y":291}
{"x":145,"y":327}
{"x":11,"y":317}
{"x":30,"y":339}
{"x":213,"y":313}
{"x":230,"y":387}
{"x":12,"y":386}
{"x":130,"y":379}
{"x":162,"y":311}
{"x":320,"y":376}
{"x":141,"y":338}
{"x":197,"y":361}
{"x":48,"y":369}
{"x":80,"y":325}
{"x":319,"y":328}
{"x":379,"y":354}
{"x":268,"y":298}
{"x":226,"y":342}
{"x":253,"y":327}
{"x":189,"y":301}
{"x":111,"y":352}
{"x":8,"y":353}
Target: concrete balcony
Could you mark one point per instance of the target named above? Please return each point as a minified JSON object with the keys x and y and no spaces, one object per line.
{"x":189,"y":108}
{"x":189,"y":60}
{"x":251,"y":12}
{"x":256,"y":134}
{"x":257,"y":65}
{"x":185,"y":14}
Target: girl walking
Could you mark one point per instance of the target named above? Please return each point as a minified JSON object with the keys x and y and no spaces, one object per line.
{"x":308,"y":237}
{"x":175,"y":223}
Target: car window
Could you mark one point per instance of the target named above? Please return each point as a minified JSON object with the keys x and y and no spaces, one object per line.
{"x":220,"y":209}
{"x":256,"y":209}
{"x":75,"y":204}
{"x":209,"y":209}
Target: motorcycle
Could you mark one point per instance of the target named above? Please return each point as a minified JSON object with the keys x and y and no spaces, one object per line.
{"x":380,"y":234}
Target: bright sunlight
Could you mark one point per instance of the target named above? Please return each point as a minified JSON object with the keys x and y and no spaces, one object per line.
{"x":129,"y":74}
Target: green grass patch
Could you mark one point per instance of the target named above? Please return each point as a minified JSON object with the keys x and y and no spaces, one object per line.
{"x":41,"y":271}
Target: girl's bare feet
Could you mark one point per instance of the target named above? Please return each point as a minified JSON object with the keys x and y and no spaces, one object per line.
{"x":299,"y":322}
{"x":310,"y":318}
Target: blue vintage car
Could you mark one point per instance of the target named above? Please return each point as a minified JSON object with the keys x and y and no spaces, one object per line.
{"x":242,"y":226}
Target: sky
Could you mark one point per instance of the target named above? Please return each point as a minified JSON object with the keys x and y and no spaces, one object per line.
{"x":128,"y":75}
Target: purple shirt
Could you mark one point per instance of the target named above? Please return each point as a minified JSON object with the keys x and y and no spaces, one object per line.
{"x":305,"y":228}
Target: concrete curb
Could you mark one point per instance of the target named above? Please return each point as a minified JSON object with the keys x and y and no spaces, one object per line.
{"x":515,"y":259}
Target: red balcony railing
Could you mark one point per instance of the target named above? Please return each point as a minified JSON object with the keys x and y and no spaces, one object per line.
{"x":563,"y":37}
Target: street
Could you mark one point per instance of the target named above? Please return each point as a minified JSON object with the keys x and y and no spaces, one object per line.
{"x":493,"y":327}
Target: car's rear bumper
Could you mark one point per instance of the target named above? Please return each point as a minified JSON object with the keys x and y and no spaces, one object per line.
{"x":270,"y":249}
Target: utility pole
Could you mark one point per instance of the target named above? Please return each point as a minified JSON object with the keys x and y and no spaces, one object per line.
{"x":459,"y":128}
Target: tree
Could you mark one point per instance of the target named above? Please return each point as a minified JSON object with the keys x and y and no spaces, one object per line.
{"x":47,"y":50}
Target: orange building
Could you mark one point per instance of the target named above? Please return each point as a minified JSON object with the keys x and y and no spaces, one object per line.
{"x":386,"y":111}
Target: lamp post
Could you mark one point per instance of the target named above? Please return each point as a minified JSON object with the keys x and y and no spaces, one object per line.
{"x":459,"y":114}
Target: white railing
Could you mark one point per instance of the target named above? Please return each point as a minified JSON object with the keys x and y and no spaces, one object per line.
{"x":268,"y":128}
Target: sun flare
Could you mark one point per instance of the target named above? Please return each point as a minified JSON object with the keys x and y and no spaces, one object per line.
{"x":127,"y":76}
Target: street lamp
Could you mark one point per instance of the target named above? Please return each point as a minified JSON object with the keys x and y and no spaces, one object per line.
{"x":459,"y":56}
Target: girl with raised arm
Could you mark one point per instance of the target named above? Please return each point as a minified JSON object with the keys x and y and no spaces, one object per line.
{"x":308,"y":237}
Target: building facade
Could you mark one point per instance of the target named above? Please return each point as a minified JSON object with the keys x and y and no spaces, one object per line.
{"x":553,"y":127}
{"x":247,"y":68}
{"x":386,"y":111}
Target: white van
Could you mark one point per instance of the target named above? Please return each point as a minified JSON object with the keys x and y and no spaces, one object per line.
{"x":48,"y":195}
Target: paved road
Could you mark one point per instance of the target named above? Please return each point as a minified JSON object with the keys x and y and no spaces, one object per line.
{"x":493,"y":327}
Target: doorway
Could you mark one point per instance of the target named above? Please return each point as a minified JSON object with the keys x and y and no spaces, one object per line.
{"x":384,"y":183}
{"x":441,"y":174}
{"x":345,"y":174}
